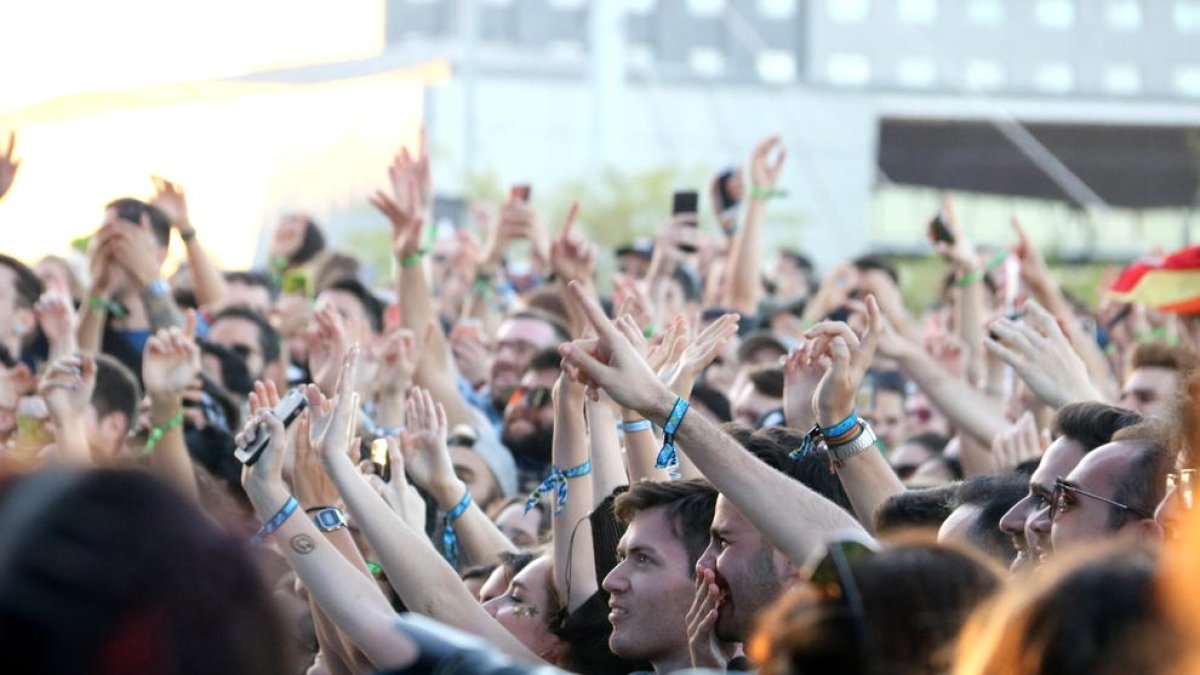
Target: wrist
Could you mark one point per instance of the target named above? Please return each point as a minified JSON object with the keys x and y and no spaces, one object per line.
{"x":833,"y":416}
{"x":448,"y":493}
{"x":163,"y":404}
{"x":266,"y":495}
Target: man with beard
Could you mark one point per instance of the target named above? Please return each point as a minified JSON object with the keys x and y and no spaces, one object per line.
{"x":528,"y":426}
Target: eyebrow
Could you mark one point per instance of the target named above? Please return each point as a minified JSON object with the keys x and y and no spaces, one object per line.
{"x":519,"y":585}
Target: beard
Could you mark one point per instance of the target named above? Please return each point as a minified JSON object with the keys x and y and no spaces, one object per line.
{"x":530,"y":448}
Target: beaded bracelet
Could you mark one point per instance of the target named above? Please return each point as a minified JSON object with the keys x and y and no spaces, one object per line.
{"x":158,"y":432}
{"x":449,"y":536}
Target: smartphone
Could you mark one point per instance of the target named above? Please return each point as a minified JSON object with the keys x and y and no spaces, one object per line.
{"x":287,"y":411}
{"x":521,"y":192}
{"x":938,"y":230}
{"x":131,"y":211}
{"x":724,"y":193}
{"x":685,"y":205}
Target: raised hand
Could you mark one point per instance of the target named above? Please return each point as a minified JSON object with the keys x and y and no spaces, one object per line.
{"x":426,"y":457}
{"x":949,"y":351}
{"x":701,"y":622}
{"x":846,"y":358}
{"x":170,"y":198}
{"x":332,"y":433}
{"x":1020,"y":443}
{"x":960,"y":253}
{"x":766,"y":163}
{"x":610,"y":362}
{"x":801,"y":376}
{"x":398,"y":357}
{"x":698,"y":353}
{"x":312,"y":485}
{"x":571,"y":257}
{"x":1034,"y":271}
{"x":412,"y":168}
{"x":471,"y":354}
{"x":407,"y":217}
{"x":401,"y":496}
{"x":327,"y":346}
{"x":8,"y":164}
{"x":1043,"y":356}
{"x":56,"y":315}
{"x":67,"y":386}
{"x":134,"y":248}
{"x":263,"y":480}
{"x":171,"y":360}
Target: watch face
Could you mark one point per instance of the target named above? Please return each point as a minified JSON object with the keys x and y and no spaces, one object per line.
{"x":330,"y":519}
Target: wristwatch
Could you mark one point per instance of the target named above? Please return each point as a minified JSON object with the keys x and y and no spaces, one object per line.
{"x":329,"y":519}
{"x":864,"y":441}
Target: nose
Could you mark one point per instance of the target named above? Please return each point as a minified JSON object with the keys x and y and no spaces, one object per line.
{"x":616,"y":582}
{"x":492,"y":606}
{"x":707,"y":561}
{"x":1013,"y":522}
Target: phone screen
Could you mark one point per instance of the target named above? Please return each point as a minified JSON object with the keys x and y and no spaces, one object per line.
{"x":685,"y":202}
{"x":522,"y":192}
{"x":287,"y":411}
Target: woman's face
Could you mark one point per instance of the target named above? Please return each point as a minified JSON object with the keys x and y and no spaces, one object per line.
{"x":526,"y":608}
{"x":288,"y":237}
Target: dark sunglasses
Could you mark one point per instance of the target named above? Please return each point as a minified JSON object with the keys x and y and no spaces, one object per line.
{"x":1058,"y":504}
{"x":534,"y":397}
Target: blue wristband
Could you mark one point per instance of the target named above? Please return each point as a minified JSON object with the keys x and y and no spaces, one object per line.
{"x":449,"y":536}
{"x":667,"y":457}
{"x":557,"y":482}
{"x":289,"y":507}
{"x":841,"y":427}
{"x":631,"y":427}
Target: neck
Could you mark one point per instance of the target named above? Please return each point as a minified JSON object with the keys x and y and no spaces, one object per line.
{"x":670,"y":663}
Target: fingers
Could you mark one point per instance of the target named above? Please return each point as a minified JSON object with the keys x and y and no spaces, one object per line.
{"x":569,"y":223}
{"x":831,"y":329}
{"x":870,"y":339}
{"x":1002,"y":352}
{"x":592,"y":310}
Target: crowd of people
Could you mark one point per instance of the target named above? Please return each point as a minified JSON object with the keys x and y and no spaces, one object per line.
{"x":493,"y":462}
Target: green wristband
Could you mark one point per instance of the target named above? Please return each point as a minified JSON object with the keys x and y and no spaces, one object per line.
{"x":767,"y":193}
{"x":414,"y":259}
{"x":978,"y":275}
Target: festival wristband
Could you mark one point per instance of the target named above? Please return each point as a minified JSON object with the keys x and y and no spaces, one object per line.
{"x":637,"y":425}
{"x":449,"y":536}
{"x":557,"y":482}
{"x":289,"y":507}
{"x":978,"y":275}
{"x":158,"y":432}
{"x":667,"y":457}
{"x":841,"y":427}
{"x":767,"y":193}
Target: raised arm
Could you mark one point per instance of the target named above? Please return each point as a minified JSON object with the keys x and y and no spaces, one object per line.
{"x":425,"y":582}
{"x":969,"y":273}
{"x":67,"y":386}
{"x":170,"y":362}
{"x":56,"y":316}
{"x":574,"y":560}
{"x":427,"y":461}
{"x":352,"y":600}
{"x":761,"y":493}
{"x":742,"y":274}
{"x":868,"y":479}
{"x":8,"y":164}
{"x":207,"y":281}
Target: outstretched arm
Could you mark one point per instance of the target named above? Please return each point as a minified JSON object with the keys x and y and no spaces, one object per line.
{"x":170,"y":362}
{"x":207,"y":281}
{"x":760,"y":492}
{"x":571,"y":528}
{"x":742,"y":274}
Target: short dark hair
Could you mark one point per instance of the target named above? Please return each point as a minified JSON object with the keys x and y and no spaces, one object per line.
{"x":116,"y":390}
{"x":372,"y":306}
{"x":689,"y":506}
{"x":1092,"y":424}
{"x":890,"y":380}
{"x":774,"y":445}
{"x":561,"y":332}
{"x":914,"y":509}
{"x":133,"y":209}
{"x":994,"y":494}
{"x":268,"y":338}
{"x":1161,"y":355}
{"x":546,"y":359}
{"x":312,"y":244}
{"x":714,"y":400}
{"x":29,"y":286}
{"x":252,"y":278}
{"x":1143,"y":484}
{"x":867,"y":263}
{"x":767,"y":380}
{"x":930,"y":440}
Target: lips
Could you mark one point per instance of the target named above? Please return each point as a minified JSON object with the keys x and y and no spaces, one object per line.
{"x":616,"y":613}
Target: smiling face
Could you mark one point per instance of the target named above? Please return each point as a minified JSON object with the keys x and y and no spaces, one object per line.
{"x":517,"y":340}
{"x":749,"y":571}
{"x":652,"y":590}
{"x":1027,"y":523}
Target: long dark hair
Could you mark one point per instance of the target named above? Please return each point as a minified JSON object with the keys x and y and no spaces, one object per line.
{"x":111,"y":571}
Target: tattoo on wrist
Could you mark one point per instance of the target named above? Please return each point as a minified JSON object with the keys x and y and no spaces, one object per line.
{"x":303,"y":544}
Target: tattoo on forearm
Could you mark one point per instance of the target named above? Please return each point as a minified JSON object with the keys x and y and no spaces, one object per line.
{"x":303,"y":544}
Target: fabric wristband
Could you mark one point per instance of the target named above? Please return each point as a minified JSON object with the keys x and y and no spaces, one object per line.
{"x":557,"y":482}
{"x":289,"y":507}
{"x":667,"y":458}
{"x":413,"y":259}
{"x":636,"y":425}
{"x":449,"y":536}
{"x":841,"y":427}
{"x":158,"y":432}
{"x":978,"y":275}
{"x":767,"y":193}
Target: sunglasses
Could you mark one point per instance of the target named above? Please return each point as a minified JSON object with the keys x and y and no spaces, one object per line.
{"x":1182,"y":483}
{"x":534,"y":397}
{"x":1058,"y":501}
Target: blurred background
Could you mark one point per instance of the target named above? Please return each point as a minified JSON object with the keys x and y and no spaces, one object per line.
{"x":1080,"y":116}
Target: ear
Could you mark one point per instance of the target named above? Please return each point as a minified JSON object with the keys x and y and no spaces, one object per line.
{"x":112,"y":429}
